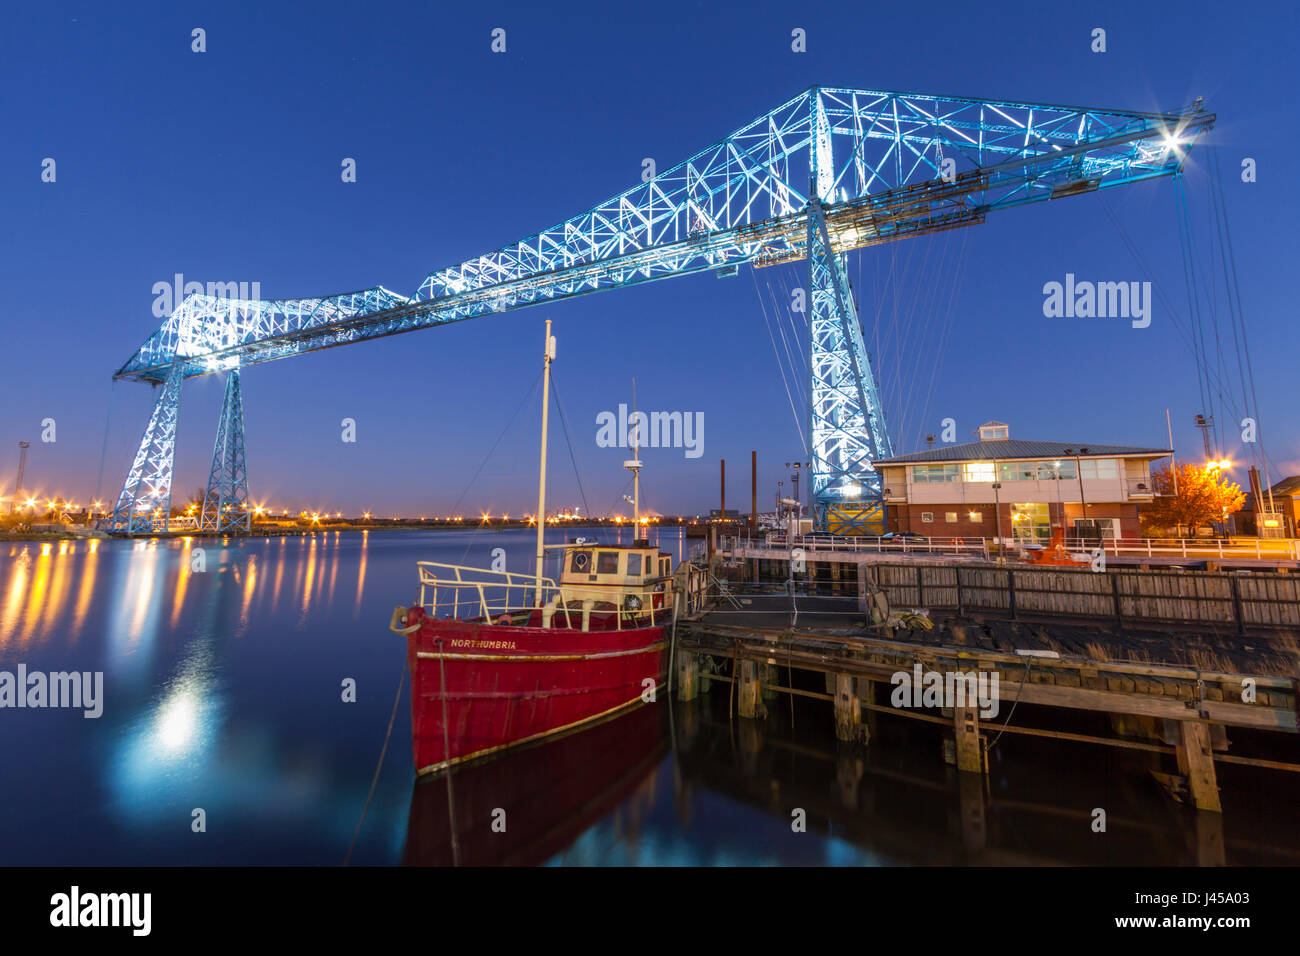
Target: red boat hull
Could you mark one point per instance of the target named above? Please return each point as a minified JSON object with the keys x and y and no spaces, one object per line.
{"x":478,"y":688}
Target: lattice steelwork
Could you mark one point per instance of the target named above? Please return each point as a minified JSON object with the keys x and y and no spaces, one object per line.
{"x":145,"y":502}
{"x":846,"y":426}
{"x":883,"y":165}
{"x":225,"y":505}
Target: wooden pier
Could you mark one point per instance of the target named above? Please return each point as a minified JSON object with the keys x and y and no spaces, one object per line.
{"x":1175,"y":660}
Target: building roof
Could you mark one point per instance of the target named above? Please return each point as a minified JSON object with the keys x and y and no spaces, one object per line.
{"x":1287,"y":486}
{"x":1013,"y":448}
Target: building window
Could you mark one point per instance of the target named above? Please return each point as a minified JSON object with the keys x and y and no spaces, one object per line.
{"x":950,"y":517}
{"x":1101,"y":468}
{"x":1016,"y":471}
{"x":976,"y":517}
{"x":924,"y":473}
{"x":1031,"y":522}
{"x":1058,"y":469}
{"x":992,"y":431}
{"x":927,"y":517}
{"x":977,"y":471}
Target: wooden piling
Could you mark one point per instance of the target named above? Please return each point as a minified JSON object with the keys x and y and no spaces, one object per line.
{"x":1196,"y":763}
{"x":688,"y":675}
{"x":748,"y":698}
{"x":848,"y":708}
{"x":966,"y":722}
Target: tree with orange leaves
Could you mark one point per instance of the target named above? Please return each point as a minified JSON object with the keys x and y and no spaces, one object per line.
{"x":1203,"y":498}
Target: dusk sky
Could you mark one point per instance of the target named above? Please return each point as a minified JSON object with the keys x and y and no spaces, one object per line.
{"x":225,"y":166}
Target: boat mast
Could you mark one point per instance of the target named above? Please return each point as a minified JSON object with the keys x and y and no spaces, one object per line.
{"x":548,"y":357}
{"x":634,"y":466}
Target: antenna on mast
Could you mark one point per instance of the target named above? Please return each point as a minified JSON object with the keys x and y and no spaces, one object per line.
{"x":634,"y":465}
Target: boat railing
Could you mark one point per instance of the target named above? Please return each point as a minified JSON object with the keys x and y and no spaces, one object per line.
{"x":495,"y":597}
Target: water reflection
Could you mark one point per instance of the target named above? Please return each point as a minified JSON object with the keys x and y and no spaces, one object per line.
{"x":222,"y":691}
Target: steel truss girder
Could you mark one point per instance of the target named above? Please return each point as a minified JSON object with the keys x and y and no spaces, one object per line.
{"x":225,"y":505}
{"x":846,"y":421}
{"x":144,"y":504}
{"x":888,"y":165}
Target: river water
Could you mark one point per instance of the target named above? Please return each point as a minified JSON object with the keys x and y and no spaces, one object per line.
{"x":225,"y":738}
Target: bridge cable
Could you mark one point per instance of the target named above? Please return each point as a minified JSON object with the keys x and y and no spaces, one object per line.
{"x":1182,"y":328}
{"x":1237,"y":314}
{"x":781,"y":367}
{"x":103,"y":449}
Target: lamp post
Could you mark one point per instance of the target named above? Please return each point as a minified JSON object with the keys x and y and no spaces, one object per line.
{"x":997,"y":509}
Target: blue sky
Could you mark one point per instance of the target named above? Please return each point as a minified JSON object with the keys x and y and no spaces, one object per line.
{"x":224,"y":166}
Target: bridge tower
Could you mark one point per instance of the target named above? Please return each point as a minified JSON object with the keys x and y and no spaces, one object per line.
{"x":225,"y":506}
{"x":146,"y":499}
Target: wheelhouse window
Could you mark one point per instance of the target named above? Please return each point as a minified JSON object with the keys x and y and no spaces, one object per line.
{"x":634,"y":564}
{"x":607,"y":562}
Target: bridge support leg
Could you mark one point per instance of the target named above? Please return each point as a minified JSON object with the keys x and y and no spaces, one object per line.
{"x":225,"y":506}
{"x":847,"y":424}
{"x":144,"y":505}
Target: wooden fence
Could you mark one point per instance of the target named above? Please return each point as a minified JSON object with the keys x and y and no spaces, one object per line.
{"x":1220,"y":600}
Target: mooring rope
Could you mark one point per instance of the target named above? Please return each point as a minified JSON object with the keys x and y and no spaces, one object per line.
{"x":446,"y":752}
{"x":401,"y":682}
{"x":1029,"y":665}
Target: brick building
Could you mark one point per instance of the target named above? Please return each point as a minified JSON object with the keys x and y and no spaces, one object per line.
{"x":1002,"y":487}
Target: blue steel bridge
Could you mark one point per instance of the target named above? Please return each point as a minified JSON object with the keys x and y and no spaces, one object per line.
{"x":826,"y":172}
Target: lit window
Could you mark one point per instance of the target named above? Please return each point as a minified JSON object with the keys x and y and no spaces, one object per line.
{"x":950,"y":517}
{"x":977,"y":471}
{"x":932,"y":473}
{"x":977,"y":516}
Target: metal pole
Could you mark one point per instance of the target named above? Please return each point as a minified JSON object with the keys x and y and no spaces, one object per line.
{"x":1173,"y":462}
{"x":548,"y":356}
{"x":722,"y":515}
